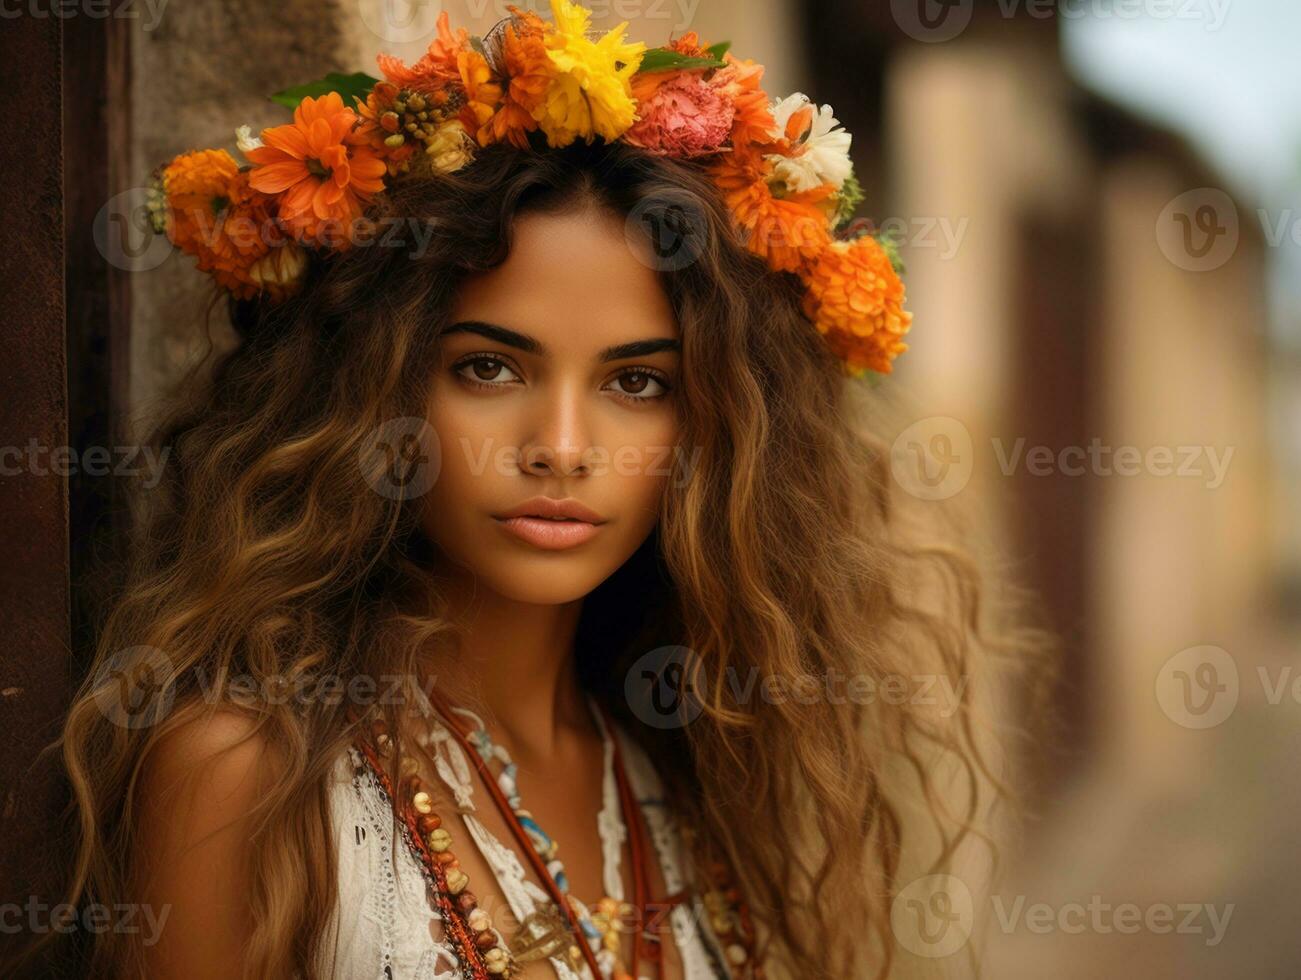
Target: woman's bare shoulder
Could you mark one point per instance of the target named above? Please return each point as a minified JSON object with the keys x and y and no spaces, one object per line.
{"x":198,"y":787}
{"x":223,"y":748}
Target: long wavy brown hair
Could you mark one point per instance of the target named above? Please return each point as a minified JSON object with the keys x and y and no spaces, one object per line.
{"x":787,"y":553}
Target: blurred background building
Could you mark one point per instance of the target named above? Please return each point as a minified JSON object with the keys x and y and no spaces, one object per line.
{"x":1098,"y":204}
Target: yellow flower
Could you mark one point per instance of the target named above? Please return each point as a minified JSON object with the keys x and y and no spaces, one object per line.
{"x":855,"y":299}
{"x":591,"y":94}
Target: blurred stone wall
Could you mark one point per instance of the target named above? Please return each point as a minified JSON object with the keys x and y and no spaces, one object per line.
{"x":201,"y":70}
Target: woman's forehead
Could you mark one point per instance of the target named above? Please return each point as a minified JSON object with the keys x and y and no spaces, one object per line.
{"x":571,"y":276}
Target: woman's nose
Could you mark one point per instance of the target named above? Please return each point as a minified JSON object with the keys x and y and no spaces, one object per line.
{"x":559,"y":440}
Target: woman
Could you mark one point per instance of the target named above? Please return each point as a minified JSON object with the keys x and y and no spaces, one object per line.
{"x":523,"y":578}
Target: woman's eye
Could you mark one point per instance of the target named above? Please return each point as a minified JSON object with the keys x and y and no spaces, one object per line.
{"x":486,"y":370}
{"x":640,"y":385}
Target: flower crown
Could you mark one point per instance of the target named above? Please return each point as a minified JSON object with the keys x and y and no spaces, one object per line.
{"x":782,"y":167}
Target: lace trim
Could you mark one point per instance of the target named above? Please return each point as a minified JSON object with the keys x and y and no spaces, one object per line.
{"x":610,"y":820}
{"x":522,"y":894}
{"x":393,"y":906}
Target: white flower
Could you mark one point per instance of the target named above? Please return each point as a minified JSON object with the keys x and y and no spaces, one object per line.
{"x":823,"y":158}
{"x":245,"y":140}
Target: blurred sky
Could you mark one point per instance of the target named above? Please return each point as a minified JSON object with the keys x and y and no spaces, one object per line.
{"x":1225,"y":73}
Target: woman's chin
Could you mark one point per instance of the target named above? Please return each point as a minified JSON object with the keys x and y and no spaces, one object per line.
{"x":551,"y":579}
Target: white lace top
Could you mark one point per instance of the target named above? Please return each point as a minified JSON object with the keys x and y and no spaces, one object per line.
{"x":384,"y":927}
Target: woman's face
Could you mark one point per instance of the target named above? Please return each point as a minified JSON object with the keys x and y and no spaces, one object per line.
{"x":554,"y":380}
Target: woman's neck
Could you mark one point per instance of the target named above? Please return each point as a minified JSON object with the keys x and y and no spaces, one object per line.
{"x":517,"y":661}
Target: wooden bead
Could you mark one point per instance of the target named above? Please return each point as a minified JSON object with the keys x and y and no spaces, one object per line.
{"x":485,"y":940}
{"x":467,"y":903}
{"x":446,"y":858}
{"x":429,"y":821}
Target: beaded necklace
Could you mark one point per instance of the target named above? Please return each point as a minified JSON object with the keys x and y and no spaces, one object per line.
{"x":479,"y":946}
{"x":573,"y":911}
{"x":599,"y":927}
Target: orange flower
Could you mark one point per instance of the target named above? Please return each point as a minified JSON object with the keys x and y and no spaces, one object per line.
{"x":690,"y":45}
{"x":855,"y":299}
{"x":321,"y":170}
{"x":436,"y":68}
{"x":379,"y":122}
{"x":529,"y":70}
{"x":482,"y":94}
{"x":788,"y":232}
{"x":739,"y":82}
{"x":214,"y":215}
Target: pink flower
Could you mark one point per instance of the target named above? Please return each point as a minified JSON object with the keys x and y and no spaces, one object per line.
{"x":684,"y":117}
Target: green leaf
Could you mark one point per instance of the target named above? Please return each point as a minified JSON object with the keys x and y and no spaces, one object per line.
{"x":356,"y":85}
{"x":848,"y":200}
{"x":666,"y":59}
{"x":890,"y":244}
{"x":719,"y":49}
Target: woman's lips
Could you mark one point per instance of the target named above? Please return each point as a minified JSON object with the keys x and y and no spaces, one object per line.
{"x":551,"y":535}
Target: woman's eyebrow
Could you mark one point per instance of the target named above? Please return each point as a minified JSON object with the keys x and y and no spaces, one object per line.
{"x":531,"y":345}
{"x":503,"y":335}
{"x":640,"y":348}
